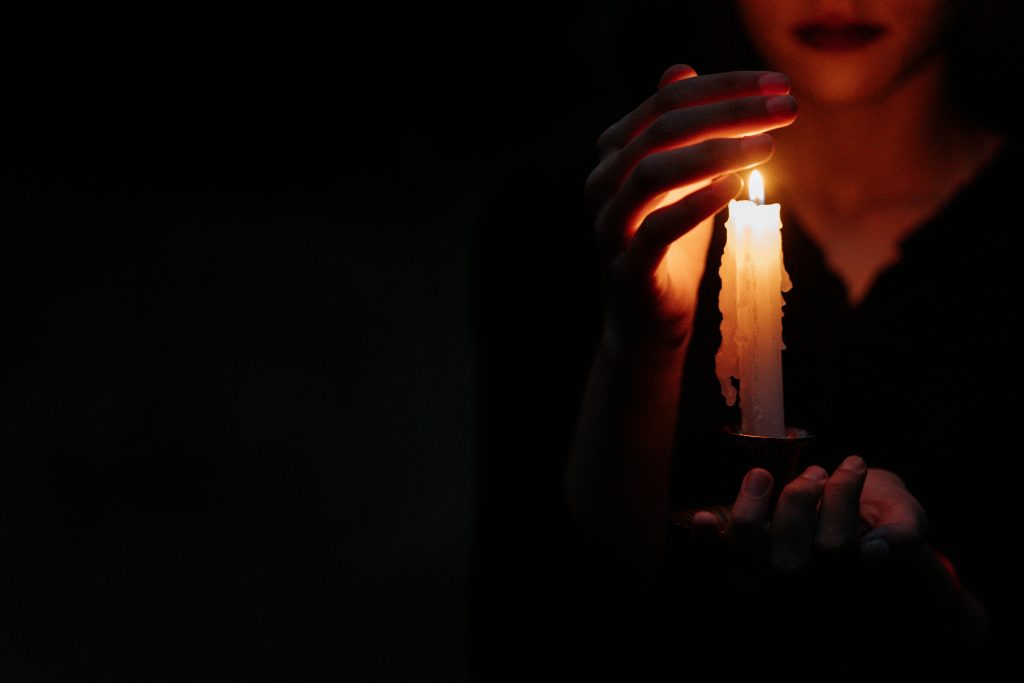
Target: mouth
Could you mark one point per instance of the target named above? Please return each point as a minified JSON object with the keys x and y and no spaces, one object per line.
{"x":838,"y":36}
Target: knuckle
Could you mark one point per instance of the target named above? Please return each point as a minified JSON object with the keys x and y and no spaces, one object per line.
{"x":746,"y":108}
{"x":673,"y":127}
{"x":648,"y":173}
{"x":604,"y":226}
{"x":801,"y":493}
{"x":720,"y":149}
{"x":669,"y":97}
{"x":736,"y":109}
{"x":605,"y":141}
{"x":663,"y":128}
{"x":844,"y":484}
{"x":735,"y":80}
{"x":593,"y":189}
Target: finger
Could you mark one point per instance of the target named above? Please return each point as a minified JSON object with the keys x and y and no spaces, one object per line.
{"x":705,"y":544}
{"x":680,"y":127}
{"x":839,"y":516}
{"x":688,"y":92}
{"x":676,"y":73}
{"x":705,"y":531}
{"x":731,"y":118}
{"x":659,"y":173}
{"x":792,"y":535}
{"x":746,"y":534}
{"x":665,"y":225}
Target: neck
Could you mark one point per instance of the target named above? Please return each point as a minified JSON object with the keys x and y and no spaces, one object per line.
{"x":864,"y":177}
{"x":907,"y":145}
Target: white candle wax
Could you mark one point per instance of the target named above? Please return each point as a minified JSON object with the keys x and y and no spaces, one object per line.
{"x":753,"y":279}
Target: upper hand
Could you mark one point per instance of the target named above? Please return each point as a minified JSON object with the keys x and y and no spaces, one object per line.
{"x":666,"y":168}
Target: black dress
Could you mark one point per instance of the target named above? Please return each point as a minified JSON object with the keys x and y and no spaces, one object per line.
{"x":918,"y":378}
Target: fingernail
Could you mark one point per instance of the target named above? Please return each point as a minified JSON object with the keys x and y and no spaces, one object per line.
{"x":774,"y":81}
{"x":816,"y":473}
{"x":757,"y":483}
{"x":876,"y":549}
{"x":731,"y":183}
{"x":854,"y":463}
{"x":758,"y":145}
{"x":781,"y":106}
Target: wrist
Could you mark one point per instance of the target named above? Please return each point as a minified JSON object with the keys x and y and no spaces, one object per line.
{"x":657,"y":348}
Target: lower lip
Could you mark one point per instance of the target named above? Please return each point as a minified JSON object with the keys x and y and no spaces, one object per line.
{"x":839,"y":38}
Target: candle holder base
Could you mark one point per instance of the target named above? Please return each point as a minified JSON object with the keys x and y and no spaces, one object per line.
{"x":780,"y":456}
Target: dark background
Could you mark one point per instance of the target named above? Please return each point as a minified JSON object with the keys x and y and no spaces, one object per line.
{"x":246,"y":262}
{"x":237,"y":425}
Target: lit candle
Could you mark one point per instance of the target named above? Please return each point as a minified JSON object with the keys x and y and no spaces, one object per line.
{"x":753,"y":279}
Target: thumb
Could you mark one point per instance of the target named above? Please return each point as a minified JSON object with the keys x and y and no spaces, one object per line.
{"x":891,"y":539}
{"x":897,"y":520}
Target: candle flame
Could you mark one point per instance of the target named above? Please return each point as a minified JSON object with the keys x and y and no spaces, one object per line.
{"x":756,"y":187}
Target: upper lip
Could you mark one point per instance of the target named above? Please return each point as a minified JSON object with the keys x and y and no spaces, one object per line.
{"x":838,"y":33}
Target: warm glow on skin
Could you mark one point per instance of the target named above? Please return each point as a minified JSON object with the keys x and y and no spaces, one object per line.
{"x":663,"y":200}
{"x":685,"y":257}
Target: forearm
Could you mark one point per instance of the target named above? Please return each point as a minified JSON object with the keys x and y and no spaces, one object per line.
{"x":966,"y":621}
{"x":924,"y":604}
{"x":619,"y":469}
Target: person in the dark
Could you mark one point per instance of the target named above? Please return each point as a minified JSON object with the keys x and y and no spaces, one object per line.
{"x":887,"y":556}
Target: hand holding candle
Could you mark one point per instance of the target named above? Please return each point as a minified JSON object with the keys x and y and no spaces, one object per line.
{"x":753,"y":279}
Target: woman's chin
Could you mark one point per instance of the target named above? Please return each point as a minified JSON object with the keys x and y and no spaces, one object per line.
{"x":837,"y":92}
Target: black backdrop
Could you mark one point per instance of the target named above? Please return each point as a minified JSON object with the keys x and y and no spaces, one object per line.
{"x":237,"y":407}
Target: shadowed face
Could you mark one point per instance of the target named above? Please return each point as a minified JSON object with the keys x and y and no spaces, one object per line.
{"x":846,"y":52}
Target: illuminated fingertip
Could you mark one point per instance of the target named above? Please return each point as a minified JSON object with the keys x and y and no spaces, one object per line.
{"x":781,"y":106}
{"x":675,"y":73}
{"x":774,"y":82}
